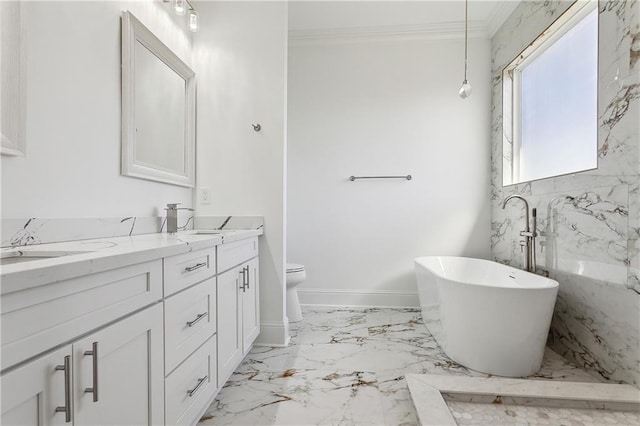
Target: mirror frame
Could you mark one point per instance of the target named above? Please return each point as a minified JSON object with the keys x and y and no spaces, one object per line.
{"x":133,"y":31}
{"x":13,"y":135}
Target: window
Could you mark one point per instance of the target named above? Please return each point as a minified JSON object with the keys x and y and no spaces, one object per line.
{"x":550,"y":94}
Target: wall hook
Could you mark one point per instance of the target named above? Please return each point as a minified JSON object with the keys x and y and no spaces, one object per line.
{"x":257,"y":127}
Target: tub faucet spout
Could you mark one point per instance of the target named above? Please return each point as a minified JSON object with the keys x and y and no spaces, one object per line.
{"x":529,"y":242}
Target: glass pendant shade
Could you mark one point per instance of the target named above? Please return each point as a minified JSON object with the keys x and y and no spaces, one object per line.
{"x":180,"y":6}
{"x":194,"y":21}
{"x":465,"y":90}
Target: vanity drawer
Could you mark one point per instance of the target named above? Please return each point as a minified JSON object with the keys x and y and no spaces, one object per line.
{"x":186,"y":269}
{"x":189,"y":320}
{"x":191,"y":386}
{"x":40,"y":318}
{"x":233,"y":254}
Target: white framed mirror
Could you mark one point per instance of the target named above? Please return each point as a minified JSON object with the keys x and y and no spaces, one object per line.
{"x":13,"y":67}
{"x":158,"y":109}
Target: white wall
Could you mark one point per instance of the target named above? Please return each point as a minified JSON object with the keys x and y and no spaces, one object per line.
{"x":240,"y":58}
{"x":384,"y":108}
{"x":72,"y":166}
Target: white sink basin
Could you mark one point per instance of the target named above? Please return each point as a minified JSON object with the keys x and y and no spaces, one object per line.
{"x":211,"y":231}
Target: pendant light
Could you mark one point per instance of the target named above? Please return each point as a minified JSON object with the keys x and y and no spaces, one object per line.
{"x":465,"y":89}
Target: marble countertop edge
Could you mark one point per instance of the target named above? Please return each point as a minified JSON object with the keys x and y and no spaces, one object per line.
{"x":103,"y":254}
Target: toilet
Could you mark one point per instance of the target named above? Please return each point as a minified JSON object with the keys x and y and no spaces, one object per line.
{"x":295,"y":275}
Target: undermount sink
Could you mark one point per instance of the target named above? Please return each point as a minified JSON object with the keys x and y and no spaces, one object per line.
{"x":21,"y":256}
{"x":211,"y":231}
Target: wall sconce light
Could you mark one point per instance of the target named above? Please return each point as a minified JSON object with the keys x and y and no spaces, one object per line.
{"x":194,"y":20}
{"x":181,"y":7}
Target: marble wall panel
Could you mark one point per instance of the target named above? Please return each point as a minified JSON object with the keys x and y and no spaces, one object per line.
{"x":29,"y":231}
{"x":228,"y":222}
{"x":589,"y":222}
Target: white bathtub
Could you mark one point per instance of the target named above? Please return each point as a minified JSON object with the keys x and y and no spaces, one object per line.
{"x":486,"y":316}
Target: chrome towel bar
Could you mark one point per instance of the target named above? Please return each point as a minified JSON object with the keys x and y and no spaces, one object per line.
{"x":407,"y":177}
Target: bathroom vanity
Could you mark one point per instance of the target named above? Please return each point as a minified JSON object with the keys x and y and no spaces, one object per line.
{"x":130,"y":330}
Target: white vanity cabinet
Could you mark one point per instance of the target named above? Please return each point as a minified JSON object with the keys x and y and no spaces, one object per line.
{"x":113,"y":376}
{"x":115,"y":313}
{"x":250,"y":305}
{"x":34,"y":394}
{"x":190,"y":341}
{"x":184,"y":270}
{"x":147,"y":343}
{"x":37,"y":319}
{"x":238,"y":304}
{"x":230,"y":322}
{"x":190,"y":389}
{"x":117,"y":372}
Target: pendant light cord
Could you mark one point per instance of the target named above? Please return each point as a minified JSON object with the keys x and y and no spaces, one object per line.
{"x":466,"y":20}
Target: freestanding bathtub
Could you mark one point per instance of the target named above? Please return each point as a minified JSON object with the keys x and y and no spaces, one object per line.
{"x":486,"y":316}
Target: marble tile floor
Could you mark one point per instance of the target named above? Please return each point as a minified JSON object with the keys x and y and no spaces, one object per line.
{"x":345,"y":366}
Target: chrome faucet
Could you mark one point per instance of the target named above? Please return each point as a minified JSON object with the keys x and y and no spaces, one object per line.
{"x":172,"y":217}
{"x":529,"y":234}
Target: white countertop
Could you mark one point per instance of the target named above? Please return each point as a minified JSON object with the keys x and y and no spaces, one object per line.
{"x":103,"y":254}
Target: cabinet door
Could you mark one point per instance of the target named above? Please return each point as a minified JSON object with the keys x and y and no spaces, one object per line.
{"x":229,"y":324}
{"x":250,"y":306}
{"x":126,"y":372}
{"x":31,"y":393}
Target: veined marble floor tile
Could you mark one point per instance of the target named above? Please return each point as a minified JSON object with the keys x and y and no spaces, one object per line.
{"x":263,"y":358}
{"x":345,"y":366}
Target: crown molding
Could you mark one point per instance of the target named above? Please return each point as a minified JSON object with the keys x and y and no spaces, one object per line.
{"x":499,"y":14}
{"x":439,"y":31}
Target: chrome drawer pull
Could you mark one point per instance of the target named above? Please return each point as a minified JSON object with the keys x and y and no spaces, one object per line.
{"x":94,"y":353}
{"x":200,"y":383}
{"x":67,"y":389}
{"x":198,"y":318}
{"x":196,"y":266}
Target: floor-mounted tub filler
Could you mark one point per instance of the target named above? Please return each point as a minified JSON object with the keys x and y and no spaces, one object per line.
{"x":486,"y":316}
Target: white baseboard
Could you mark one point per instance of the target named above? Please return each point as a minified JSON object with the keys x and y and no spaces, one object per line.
{"x":377,"y":298}
{"x":273,"y":334}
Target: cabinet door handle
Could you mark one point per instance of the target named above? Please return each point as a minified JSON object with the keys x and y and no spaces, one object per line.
{"x":67,"y":389}
{"x":200,"y":383}
{"x":244,"y":284}
{"x":94,"y":389}
{"x":196,"y":266}
{"x":198,"y":318}
{"x":248,"y":276}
